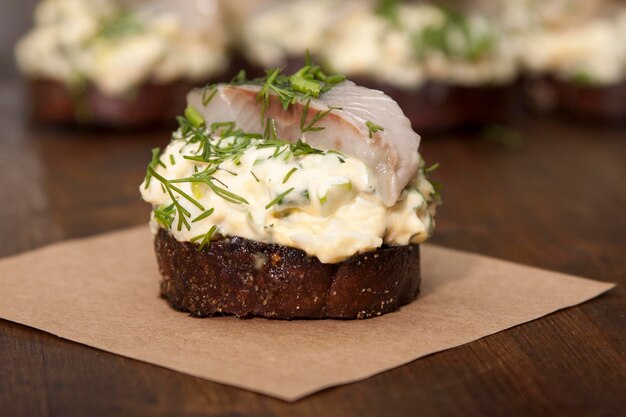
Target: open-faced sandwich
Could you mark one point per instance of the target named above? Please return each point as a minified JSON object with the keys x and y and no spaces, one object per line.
{"x":119,"y":62}
{"x":574,"y":52}
{"x":290,"y":196}
{"x":447,"y":67}
{"x":276,"y":33}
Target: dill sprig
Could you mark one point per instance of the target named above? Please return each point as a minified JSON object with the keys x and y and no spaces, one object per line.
{"x":154,"y":161}
{"x":436,"y":185}
{"x":373,"y":128}
{"x":205,"y":239}
{"x":279,"y":198}
{"x":221,"y":191}
{"x":164,"y":215}
{"x":203,"y":215}
{"x":308,"y":82}
{"x":183,"y":214}
{"x":208,"y":93}
{"x":289,"y":174}
{"x":431,"y":168}
{"x":304,"y":127}
{"x":301,"y":148}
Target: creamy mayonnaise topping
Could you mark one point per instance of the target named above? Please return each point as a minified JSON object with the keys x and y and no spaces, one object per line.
{"x":423,"y":42}
{"x":325,"y":204}
{"x":352,"y":38}
{"x":117,"y":49}
{"x":592,"y":52}
{"x":272,"y":35}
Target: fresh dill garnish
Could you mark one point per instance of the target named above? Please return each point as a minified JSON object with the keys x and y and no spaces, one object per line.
{"x":269,"y":133}
{"x":205,"y":239}
{"x":168,"y":186}
{"x":170,"y":189}
{"x":239,"y":78}
{"x":155,"y":160}
{"x":373,"y":128}
{"x":204,"y":215}
{"x":304,"y":127}
{"x":285,"y":96}
{"x":436,"y":186}
{"x":301,"y":148}
{"x":308,"y":82}
{"x":208,"y":93}
{"x":255,"y":177}
{"x":454,"y":37}
{"x":289,"y":174}
{"x":278,"y":199}
{"x":202,"y":177}
{"x":172,"y":160}
{"x":164,"y":215}
{"x":431,"y":168}
{"x":224,"y":129}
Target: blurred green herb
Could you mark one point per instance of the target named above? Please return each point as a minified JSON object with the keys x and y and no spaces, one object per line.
{"x":445,"y":37}
{"x":121,"y":25}
{"x":373,"y":128}
{"x":388,"y":9}
{"x":506,"y":136}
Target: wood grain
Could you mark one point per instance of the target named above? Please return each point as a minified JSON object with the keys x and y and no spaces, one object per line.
{"x":553,"y":197}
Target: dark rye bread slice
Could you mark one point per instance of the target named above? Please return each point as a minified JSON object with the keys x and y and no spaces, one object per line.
{"x":52,"y":102}
{"x":600,"y":103}
{"x":590,"y":103}
{"x":437,"y":107}
{"x":245,"y":278}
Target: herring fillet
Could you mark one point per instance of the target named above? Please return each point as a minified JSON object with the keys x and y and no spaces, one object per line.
{"x":391,"y":154}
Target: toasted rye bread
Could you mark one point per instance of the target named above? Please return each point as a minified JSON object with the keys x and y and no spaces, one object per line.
{"x":436,"y":107}
{"x":245,"y":278}
{"x":601,"y":103}
{"x":590,"y":103}
{"x":52,"y":102}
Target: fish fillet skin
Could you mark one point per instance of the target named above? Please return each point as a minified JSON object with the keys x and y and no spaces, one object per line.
{"x":390,"y":154}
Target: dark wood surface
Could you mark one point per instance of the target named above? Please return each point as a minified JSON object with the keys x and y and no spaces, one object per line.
{"x":552,"y":195}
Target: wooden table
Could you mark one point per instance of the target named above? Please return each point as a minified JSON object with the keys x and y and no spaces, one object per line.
{"x":554,"y":198}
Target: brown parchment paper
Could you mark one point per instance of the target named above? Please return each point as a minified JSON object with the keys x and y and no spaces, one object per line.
{"x":103,"y":292}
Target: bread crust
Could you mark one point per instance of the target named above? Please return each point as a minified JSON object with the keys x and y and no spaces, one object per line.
{"x":436,"y":107}
{"x":245,"y":278}
{"x":600,"y":103}
{"x":52,"y":102}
